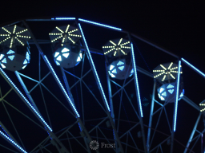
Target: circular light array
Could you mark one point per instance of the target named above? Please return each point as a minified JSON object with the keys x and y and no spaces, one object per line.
{"x":118,"y":67}
{"x":166,"y":91}
{"x":12,"y":59}
{"x":63,"y":54}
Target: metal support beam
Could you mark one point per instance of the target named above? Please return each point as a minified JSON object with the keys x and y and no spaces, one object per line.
{"x":192,"y":133}
{"x":9,"y":138}
{"x":137,"y":90}
{"x":26,"y":90}
{"x":193,"y":67}
{"x":190,"y":102}
{"x":175,"y":106}
{"x":100,"y":89}
{"x":55,"y":77}
{"x":151,"y":115}
{"x":154,"y":45}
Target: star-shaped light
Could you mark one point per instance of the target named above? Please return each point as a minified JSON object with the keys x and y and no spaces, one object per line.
{"x":164,"y":72}
{"x":117,"y":48}
{"x":14,"y":35}
{"x":65,"y":35}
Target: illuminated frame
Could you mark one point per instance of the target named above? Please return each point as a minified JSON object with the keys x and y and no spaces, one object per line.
{"x":96,"y":74}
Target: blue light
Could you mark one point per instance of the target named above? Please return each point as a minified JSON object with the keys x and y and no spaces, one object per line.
{"x":99,"y":24}
{"x":24,"y":67}
{"x":171,"y":91}
{"x":121,"y":68}
{"x":177,"y":95}
{"x":11,"y":57}
{"x":114,"y":71}
{"x":90,"y":58}
{"x":1,"y":56}
{"x":65,"y":50}
{"x":26,"y":100}
{"x":66,"y":55}
{"x":12,"y":142}
{"x":59,"y":58}
{"x":164,"y":94}
{"x":4,"y":60}
{"x":193,"y":67}
{"x":120,"y":63}
{"x":63,"y":18}
{"x":27,"y":56}
{"x":25,"y":61}
{"x":61,"y":86}
{"x":56,"y":54}
{"x":136,"y":79}
{"x":3,"y":66}
{"x":10,"y":52}
{"x":170,"y":86}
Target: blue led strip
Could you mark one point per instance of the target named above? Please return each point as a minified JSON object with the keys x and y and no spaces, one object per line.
{"x":70,"y":101}
{"x":177,"y":95}
{"x":9,"y":139}
{"x":99,"y":24}
{"x":136,"y":80}
{"x":96,"y":74}
{"x":26,"y":100}
{"x":63,"y":18}
{"x":193,"y":67}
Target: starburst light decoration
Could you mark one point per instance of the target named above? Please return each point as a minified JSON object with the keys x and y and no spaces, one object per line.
{"x":117,"y":47}
{"x":167,"y":71}
{"x":14,"y":36}
{"x":65,"y":34}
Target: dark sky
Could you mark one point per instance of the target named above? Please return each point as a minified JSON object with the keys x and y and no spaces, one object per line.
{"x":175,"y":26}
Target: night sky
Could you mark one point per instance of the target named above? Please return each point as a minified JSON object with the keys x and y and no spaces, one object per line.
{"x":175,"y":26}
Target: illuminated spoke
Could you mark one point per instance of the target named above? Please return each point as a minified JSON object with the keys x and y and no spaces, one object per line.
{"x":164,"y":77}
{"x":67,"y":28}
{"x":112,"y":42}
{"x":59,"y":29}
{"x":73,"y":35}
{"x":5,"y":39}
{"x":63,"y":40}
{"x":123,"y":52}
{"x":109,"y":51}
{"x":6,"y":30}
{"x":163,"y":67}
{"x":72,"y":31}
{"x":55,"y":33}
{"x":158,"y":75}
{"x":170,"y":65}
{"x":158,"y":70}
{"x":125,"y":43}
{"x":174,"y":68}
{"x":120,"y":41}
{"x":171,"y":75}
{"x":14,"y":30}
{"x":56,"y":38}
{"x":174,"y":71}
{"x":108,"y":46}
{"x":11,"y":43}
{"x":21,"y":31}
{"x":71,"y":40}
{"x":19,"y":41}
{"x":115,"y":53}
{"x":125,"y":47}
{"x":4,"y":35}
{"x":23,"y":36}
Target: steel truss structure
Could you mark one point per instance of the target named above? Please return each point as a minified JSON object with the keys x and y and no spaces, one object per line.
{"x":70,"y":128}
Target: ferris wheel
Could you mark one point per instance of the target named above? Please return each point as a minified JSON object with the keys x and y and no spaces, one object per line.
{"x":74,"y":85}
